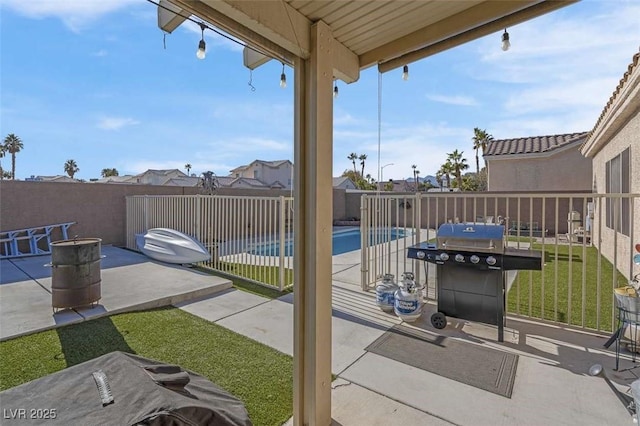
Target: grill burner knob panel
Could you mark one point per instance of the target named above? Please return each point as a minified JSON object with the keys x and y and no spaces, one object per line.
{"x":474,"y":259}
{"x":444,"y":256}
{"x":459,"y":258}
{"x":491,"y":260}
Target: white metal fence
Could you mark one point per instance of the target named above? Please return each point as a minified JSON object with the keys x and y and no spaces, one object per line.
{"x":248,"y":237}
{"x":587,"y":242}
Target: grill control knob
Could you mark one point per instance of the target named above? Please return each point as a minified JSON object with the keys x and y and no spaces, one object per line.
{"x":421,"y":255}
{"x":474,"y":259}
{"x":444,"y":256}
{"x":459,"y":258}
{"x":491,"y":260}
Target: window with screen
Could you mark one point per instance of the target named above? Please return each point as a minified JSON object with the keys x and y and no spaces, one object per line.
{"x":618,"y":181}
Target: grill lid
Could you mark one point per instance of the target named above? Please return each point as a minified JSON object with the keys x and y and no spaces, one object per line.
{"x":472,"y":237}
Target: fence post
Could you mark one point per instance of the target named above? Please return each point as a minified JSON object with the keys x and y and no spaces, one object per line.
{"x":282,"y":247}
{"x":364,"y":249}
{"x":146,"y":213}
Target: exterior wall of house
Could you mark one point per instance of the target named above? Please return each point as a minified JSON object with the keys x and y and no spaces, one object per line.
{"x":567,"y":170}
{"x":612,"y":246}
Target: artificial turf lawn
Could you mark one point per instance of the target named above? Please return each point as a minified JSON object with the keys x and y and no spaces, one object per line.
{"x":256,"y":374}
{"x":577,"y":278}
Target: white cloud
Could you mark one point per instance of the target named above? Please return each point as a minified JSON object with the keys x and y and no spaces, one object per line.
{"x":454,"y":99}
{"x":100,"y":53}
{"x":116,"y":123}
{"x":76,"y":14}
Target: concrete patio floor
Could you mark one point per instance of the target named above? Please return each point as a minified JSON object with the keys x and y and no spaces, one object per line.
{"x":552,"y":384}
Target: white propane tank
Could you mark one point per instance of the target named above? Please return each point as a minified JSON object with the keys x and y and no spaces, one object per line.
{"x":385,"y":293}
{"x":408,"y":299}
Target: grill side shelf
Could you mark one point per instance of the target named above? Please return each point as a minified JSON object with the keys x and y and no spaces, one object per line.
{"x":521,"y":259}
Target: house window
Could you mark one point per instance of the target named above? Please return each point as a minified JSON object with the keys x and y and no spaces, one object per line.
{"x":618,"y":181}
{"x":255,"y":174}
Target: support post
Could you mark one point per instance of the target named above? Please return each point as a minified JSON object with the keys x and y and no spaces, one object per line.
{"x":313,"y":228}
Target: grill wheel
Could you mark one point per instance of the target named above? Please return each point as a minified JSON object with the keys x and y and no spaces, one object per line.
{"x":439,"y":320}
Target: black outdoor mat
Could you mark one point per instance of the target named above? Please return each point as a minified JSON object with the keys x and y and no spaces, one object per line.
{"x":485,"y":368}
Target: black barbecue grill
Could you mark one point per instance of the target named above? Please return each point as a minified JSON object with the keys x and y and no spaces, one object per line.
{"x":471,"y":261}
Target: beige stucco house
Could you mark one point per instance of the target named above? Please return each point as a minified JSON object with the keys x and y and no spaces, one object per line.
{"x":268,"y":172}
{"x":614,"y":148}
{"x":538,"y":163}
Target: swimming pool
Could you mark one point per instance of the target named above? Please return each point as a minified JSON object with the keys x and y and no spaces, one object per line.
{"x":343,"y":241}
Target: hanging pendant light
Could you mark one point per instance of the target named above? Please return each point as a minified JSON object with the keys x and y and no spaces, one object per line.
{"x":505,"y":41}
{"x":202,"y":46}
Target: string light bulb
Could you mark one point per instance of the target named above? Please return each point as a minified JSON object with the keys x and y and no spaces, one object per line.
{"x":283,"y":78}
{"x":405,"y":72}
{"x":505,"y":41}
{"x":335,"y":89}
{"x":202,"y":46}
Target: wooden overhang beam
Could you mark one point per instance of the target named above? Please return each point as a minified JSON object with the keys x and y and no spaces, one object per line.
{"x":463,"y":27}
{"x":274,"y":27}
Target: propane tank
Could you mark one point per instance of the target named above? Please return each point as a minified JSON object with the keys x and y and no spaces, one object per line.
{"x":385,"y":293}
{"x":408,"y":299}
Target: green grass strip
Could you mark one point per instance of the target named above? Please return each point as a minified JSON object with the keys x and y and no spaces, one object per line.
{"x":256,"y":374}
{"x":525,"y":296}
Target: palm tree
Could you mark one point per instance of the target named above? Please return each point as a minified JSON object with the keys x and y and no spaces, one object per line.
{"x":71,"y":168}
{"x":413,"y":166}
{"x":445,"y":171}
{"x":353,"y":157}
{"x":480,"y":141}
{"x":13,"y":145}
{"x":188,"y":167}
{"x":458,"y":164}
{"x":109,"y":172}
{"x":439,"y":175}
{"x":2,"y":152}
{"x":362,"y":159}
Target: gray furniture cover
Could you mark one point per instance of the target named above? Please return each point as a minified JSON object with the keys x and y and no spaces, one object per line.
{"x":145,"y":392}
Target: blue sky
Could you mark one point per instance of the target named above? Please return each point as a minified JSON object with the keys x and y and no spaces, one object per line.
{"x":90,"y":80}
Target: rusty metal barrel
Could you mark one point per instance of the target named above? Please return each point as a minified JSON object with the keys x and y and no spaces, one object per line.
{"x":75,"y":277}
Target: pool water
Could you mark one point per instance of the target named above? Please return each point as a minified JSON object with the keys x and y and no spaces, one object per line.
{"x":343,"y":241}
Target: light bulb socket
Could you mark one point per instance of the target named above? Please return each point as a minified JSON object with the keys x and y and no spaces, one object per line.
{"x":335,"y":91}
{"x":283,"y":80}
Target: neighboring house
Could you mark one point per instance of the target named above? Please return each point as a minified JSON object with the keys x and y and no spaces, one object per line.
{"x":278,"y":173}
{"x":158,"y":177}
{"x":241,"y":182}
{"x":183,"y":181}
{"x":343,"y":182}
{"x":538,"y":163}
{"x":57,"y":178}
{"x":614,"y":148}
{"x":129,"y":179}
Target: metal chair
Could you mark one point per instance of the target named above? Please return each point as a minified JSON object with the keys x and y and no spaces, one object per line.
{"x":628,"y":304}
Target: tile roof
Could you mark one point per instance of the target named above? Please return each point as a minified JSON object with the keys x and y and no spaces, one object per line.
{"x":634,"y":63}
{"x":532,"y":144}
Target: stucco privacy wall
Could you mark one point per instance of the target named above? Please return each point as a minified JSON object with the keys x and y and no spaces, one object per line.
{"x":98,"y":209}
{"x":567,"y":170}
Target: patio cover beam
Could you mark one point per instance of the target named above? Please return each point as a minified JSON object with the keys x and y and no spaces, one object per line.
{"x":458,"y":29}
{"x":275,"y":27}
{"x":313,"y":195}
